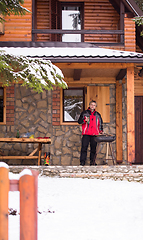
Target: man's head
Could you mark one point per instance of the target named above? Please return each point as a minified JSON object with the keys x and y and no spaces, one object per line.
{"x":92,"y":105}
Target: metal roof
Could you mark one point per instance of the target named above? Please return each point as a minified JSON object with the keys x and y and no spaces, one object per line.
{"x":95,"y":54}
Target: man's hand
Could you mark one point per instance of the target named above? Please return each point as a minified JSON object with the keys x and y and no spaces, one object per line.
{"x":87,"y":119}
{"x":101,"y":133}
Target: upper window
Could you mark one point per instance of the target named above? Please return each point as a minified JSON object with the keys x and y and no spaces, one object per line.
{"x":2,"y":105}
{"x":73,"y":104}
{"x":72,"y":20}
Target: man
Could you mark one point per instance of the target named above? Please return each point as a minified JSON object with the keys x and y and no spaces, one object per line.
{"x":92,"y":125}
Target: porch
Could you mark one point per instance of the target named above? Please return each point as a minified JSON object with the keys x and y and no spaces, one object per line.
{"x":105,"y":75}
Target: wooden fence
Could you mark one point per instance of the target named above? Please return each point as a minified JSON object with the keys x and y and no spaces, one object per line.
{"x":27,"y":186}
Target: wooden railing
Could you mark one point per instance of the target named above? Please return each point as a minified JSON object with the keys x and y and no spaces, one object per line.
{"x":83,"y":32}
{"x":27,"y":186}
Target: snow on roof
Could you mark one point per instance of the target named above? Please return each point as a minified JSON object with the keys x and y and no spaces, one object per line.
{"x":69,"y":52}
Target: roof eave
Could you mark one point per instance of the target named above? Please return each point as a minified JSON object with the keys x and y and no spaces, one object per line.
{"x":95,"y":60}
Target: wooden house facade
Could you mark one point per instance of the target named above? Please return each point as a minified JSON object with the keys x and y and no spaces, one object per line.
{"x":99,"y":49}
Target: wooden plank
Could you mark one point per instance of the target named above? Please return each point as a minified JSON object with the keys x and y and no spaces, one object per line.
{"x":91,"y":80}
{"x":93,"y":65}
{"x":119,"y":141}
{"x":101,"y":95}
{"x":121,"y":74}
{"x":18,"y":157}
{"x":35,"y":150}
{"x":130,"y":116}
{"x":122,"y":11}
{"x":4,"y":105}
{"x":77,"y":74}
{"x":40,"y":151}
{"x":4,"y":191}
{"x":138,"y":129}
{"x":14,"y":185}
{"x":26,"y":140}
{"x":84,"y":31}
{"x":27,"y":208}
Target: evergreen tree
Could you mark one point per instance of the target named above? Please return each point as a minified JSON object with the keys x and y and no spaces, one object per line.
{"x":139,"y":20}
{"x":8,"y":7}
{"x":37,"y":74}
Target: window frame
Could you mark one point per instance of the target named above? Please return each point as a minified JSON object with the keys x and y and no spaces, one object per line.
{"x":62,"y":122}
{"x":4,"y":106}
{"x":76,"y":4}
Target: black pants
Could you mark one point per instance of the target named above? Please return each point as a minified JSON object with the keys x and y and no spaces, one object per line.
{"x":85,"y":142}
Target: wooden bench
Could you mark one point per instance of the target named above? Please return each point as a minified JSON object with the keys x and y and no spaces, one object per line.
{"x":40,"y":141}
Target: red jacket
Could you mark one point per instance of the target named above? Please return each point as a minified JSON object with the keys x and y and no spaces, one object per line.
{"x":95,"y":125}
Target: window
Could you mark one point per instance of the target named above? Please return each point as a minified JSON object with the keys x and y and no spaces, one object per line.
{"x":2,"y":105}
{"x":72,"y":20}
{"x":73,"y":104}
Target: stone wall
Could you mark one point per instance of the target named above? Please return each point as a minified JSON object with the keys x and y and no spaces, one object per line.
{"x":124,"y":121}
{"x":117,"y":173}
{"x":34,"y":113}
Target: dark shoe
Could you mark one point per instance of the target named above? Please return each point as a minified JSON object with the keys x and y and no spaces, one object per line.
{"x":82,"y":163}
{"x":91,"y":164}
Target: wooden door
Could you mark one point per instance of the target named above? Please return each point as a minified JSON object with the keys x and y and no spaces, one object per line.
{"x":139,"y":130}
{"x":101,"y":94}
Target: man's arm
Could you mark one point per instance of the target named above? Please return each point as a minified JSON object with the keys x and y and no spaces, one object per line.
{"x":81,"y":119}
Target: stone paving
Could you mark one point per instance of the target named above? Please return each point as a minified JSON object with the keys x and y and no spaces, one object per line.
{"x":118,"y":172}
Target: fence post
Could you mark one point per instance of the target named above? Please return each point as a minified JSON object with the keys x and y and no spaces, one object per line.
{"x":28,"y":222}
{"x":4,"y":190}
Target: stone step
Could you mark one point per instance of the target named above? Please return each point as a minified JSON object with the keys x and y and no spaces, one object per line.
{"x":117,"y":172}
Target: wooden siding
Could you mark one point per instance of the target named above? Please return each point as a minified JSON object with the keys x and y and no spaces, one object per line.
{"x":100,"y":15}
{"x":129,"y":35}
{"x":101,"y":94}
{"x":138,"y":49}
{"x":138,"y":83}
{"x":138,"y":130}
{"x":43,"y":19}
{"x":18,"y":28}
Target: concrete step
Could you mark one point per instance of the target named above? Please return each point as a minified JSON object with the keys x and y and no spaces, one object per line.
{"x":117,"y":172}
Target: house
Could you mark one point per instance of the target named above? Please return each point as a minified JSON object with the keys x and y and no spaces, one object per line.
{"x":100,"y":51}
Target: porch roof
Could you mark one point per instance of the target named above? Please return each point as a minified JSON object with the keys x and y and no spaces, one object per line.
{"x":95,"y":54}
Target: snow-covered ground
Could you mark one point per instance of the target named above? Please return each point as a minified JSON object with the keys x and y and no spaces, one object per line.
{"x":85,"y":209}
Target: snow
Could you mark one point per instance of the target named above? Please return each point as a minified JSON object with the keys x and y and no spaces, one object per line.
{"x":2,"y":164}
{"x":25,"y":172}
{"x":68,"y":51}
{"x":87,"y":209}
{"x":67,"y":117}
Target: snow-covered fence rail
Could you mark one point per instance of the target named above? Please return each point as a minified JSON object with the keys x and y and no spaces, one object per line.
{"x":27,"y":186}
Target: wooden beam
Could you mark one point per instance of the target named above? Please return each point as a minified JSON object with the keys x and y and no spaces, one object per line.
{"x":94,"y":65}
{"x":115,"y":5}
{"x":90,"y":80}
{"x":121,"y":74}
{"x":19,"y":157}
{"x":83,"y":31}
{"x":33,"y":18}
{"x":122,"y":11}
{"x":35,"y":150}
{"x":130,"y":116}
{"x":140,"y":72}
{"x":119,"y":144}
{"x":77,"y":74}
{"x":26,"y":140}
